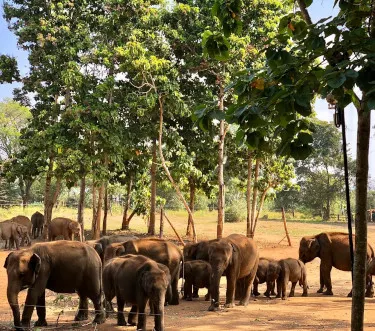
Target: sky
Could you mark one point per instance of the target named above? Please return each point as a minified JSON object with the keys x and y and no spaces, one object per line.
{"x":319,"y":9}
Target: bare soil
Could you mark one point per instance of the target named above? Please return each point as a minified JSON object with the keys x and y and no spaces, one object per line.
{"x":298,"y":313}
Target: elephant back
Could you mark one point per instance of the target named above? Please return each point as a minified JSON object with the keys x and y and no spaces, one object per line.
{"x":37,"y":219}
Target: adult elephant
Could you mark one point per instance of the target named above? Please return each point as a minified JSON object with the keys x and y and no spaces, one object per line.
{"x":37,"y":221}
{"x":25,"y":221}
{"x":197,"y":251}
{"x":333,"y":250}
{"x":101,"y":244}
{"x":66,"y":227}
{"x":161,"y":251}
{"x":237,"y":256}
{"x":62,"y":267}
{"x":13,"y":233}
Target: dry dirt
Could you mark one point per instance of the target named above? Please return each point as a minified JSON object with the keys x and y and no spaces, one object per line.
{"x":298,"y":313}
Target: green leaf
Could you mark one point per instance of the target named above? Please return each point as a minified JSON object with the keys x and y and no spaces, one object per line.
{"x":305,"y":138}
{"x":336,"y":80}
{"x":351,"y":73}
{"x":371,"y":103}
{"x":300,"y":152}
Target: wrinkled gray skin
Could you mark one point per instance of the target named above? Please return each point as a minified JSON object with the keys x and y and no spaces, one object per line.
{"x":135,"y":279}
{"x":37,"y":221}
{"x":13,"y":233}
{"x":285,"y":271}
{"x":62,"y":267}
{"x":25,"y":221}
{"x":237,"y":256}
{"x":197,"y":274}
{"x":101,"y":244}
{"x":261,"y":278}
{"x":61,"y":226}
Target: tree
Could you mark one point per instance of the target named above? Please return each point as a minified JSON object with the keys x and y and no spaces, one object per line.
{"x":8,"y":69}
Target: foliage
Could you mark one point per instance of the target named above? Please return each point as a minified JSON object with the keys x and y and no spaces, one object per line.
{"x":8,"y":69}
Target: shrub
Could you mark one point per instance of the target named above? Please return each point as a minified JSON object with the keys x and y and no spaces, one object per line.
{"x":235,"y":213}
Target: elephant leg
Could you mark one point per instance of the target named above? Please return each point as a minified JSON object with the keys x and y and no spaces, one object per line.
{"x":141,"y":315}
{"x":255,"y":288}
{"x":279,"y":288}
{"x":284,"y":284}
{"x":207,"y":297}
{"x":187,"y":289}
{"x":6,"y":243}
{"x":41,"y":310}
{"x":99,"y":312}
{"x":247,"y":282}
{"x":120,"y":311}
{"x":133,"y":315}
{"x":83,"y":312}
{"x":291,"y":294}
{"x":326,"y":273}
{"x":321,"y":289}
{"x":231,"y":286}
{"x":273,"y":288}
{"x":175,"y":296}
{"x":369,"y":288}
{"x":66,"y":235}
{"x":195,"y":292}
{"x":31,"y":300}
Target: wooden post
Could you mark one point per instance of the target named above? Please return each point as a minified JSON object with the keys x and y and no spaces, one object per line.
{"x":161,"y":222}
{"x":286,"y":229}
{"x":173,"y":228}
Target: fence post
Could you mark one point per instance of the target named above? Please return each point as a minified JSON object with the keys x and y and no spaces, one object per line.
{"x":286,"y":229}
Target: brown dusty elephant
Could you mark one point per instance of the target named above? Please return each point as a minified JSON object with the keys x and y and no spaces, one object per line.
{"x":61,"y":226}
{"x":261,"y":277}
{"x":37,"y":221}
{"x":197,"y":274}
{"x":61,"y":266}
{"x":25,"y":221}
{"x":237,"y":256}
{"x":333,"y":250}
{"x":101,"y":244}
{"x":285,"y":271}
{"x":136,"y":279}
{"x":161,"y":251}
{"x":13,"y":233}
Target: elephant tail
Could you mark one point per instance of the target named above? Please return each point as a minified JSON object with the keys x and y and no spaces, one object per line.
{"x":302,"y":279}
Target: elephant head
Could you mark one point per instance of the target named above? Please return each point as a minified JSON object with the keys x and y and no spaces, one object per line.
{"x":24,"y":234}
{"x":22,"y":268}
{"x":75,"y":227}
{"x":113,"y":250}
{"x":273,"y":273}
{"x":190,"y":251}
{"x":309,"y":249}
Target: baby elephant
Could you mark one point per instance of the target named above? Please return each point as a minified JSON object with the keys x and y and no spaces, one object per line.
{"x":197,"y":273}
{"x":135,"y":279}
{"x":285,"y":271}
{"x":261,"y":277}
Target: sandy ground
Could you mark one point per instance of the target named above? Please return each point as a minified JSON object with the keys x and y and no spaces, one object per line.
{"x":298,"y":313}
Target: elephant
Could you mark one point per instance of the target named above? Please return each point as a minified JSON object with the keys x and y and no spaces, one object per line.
{"x":12,"y":233}
{"x":61,"y":226}
{"x":101,"y":244}
{"x":238,"y":257}
{"x":160,"y":250}
{"x":135,"y":279}
{"x":285,"y":271}
{"x":62,"y":267}
{"x":333,"y":250}
{"x":261,"y":277}
{"x":25,"y":221}
{"x":197,"y":274}
{"x":37,"y":220}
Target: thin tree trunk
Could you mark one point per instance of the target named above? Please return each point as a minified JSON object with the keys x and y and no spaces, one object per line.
{"x":221,"y":197}
{"x":249,"y":224}
{"x":359,"y":282}
{"x":255,"y":195}
{"x":261,"y":202}
{"x":105,"y":210}
{"x":47,"y":193}
{"x":131,"y":215}
{"x":93,"y":224}
{"x":191,"y":203}
{"x":175,"y":186}
{"x":151,"y":226}
{"x":305,"y":13}
{"x":81,"y":206}
{"x":98,"y":215}
{"x":21,"y":185}
{"x":125,"y":223}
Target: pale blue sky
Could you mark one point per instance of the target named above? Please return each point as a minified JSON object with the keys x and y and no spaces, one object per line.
{"x":318,"y":10}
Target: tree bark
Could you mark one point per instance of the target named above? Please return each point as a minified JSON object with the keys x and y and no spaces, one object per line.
{"x":47,"y":193}
{"x":81,"y":206}
{"x":98,"y":214}
{"x":359,"y":282}
{"x":249,"y":224}
{"x":131,"y":215}
{"x":261,"y":202}
{"x":221,"y":197}
{"x":255,"y":195}
{"x":93,"y":224}
{"x":125,"y":222}
{"x":151,"y":226}
{"x":105,"y":210}
{"x":305,"y":13}
{"x":191,"y":204}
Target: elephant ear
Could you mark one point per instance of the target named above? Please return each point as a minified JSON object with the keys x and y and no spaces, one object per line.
{"x":129,"y":247}
{"x":120,"y":250}
{"x":71,"y":225}
{"x":7,"y":260}
{"x":314,"y":246}
{"x":99,"y":248}
{"x":35,"y":263}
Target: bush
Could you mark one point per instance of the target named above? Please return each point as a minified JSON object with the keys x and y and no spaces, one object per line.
{"x":235,"y":213}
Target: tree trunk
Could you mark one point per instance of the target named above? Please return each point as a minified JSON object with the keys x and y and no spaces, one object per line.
{"x":151,"y":226}
{"x":125,"y":222}
{"x":249,"y":224}
{"x":131,"y":215}
{"x":47,"y":194}
{"x":191,"y":204}
{"x":305,"y":13}
{"x":21,"y":185}
{"x":105,"y":210}
{"x":98,"y":214}
{"x":221,"y":197}
{"x":255,"y":195}
{"x":81,"y":206}
{"x":93,"y":224}
{"x":359,"y":282}
{"x":261,"y":202}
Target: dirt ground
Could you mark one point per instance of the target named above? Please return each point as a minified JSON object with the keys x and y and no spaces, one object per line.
{"x":298,"y":313}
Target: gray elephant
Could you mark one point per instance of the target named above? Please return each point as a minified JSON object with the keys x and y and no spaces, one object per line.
{"x":25,"y":221}
{"x":13,"y":233}
{"x":237,"y":256}
{"x":37,"y":221}
{"x":197,"y":274}
{"x":66,"y":227}
{"x":261,"y":277}
{"x":136,"y":279}
{"x":285,"y":271}
{"x":62,"y":267}
{"x":161,"y":251}
{"x":333,"y":250}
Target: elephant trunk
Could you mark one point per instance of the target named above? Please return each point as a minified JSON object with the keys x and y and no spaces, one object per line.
{"x":12,"y":294}
{"x":217,"y":272}
{"x":159,"y":313}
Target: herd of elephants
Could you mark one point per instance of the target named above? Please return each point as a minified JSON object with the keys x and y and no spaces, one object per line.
{"x":140,"y":271}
